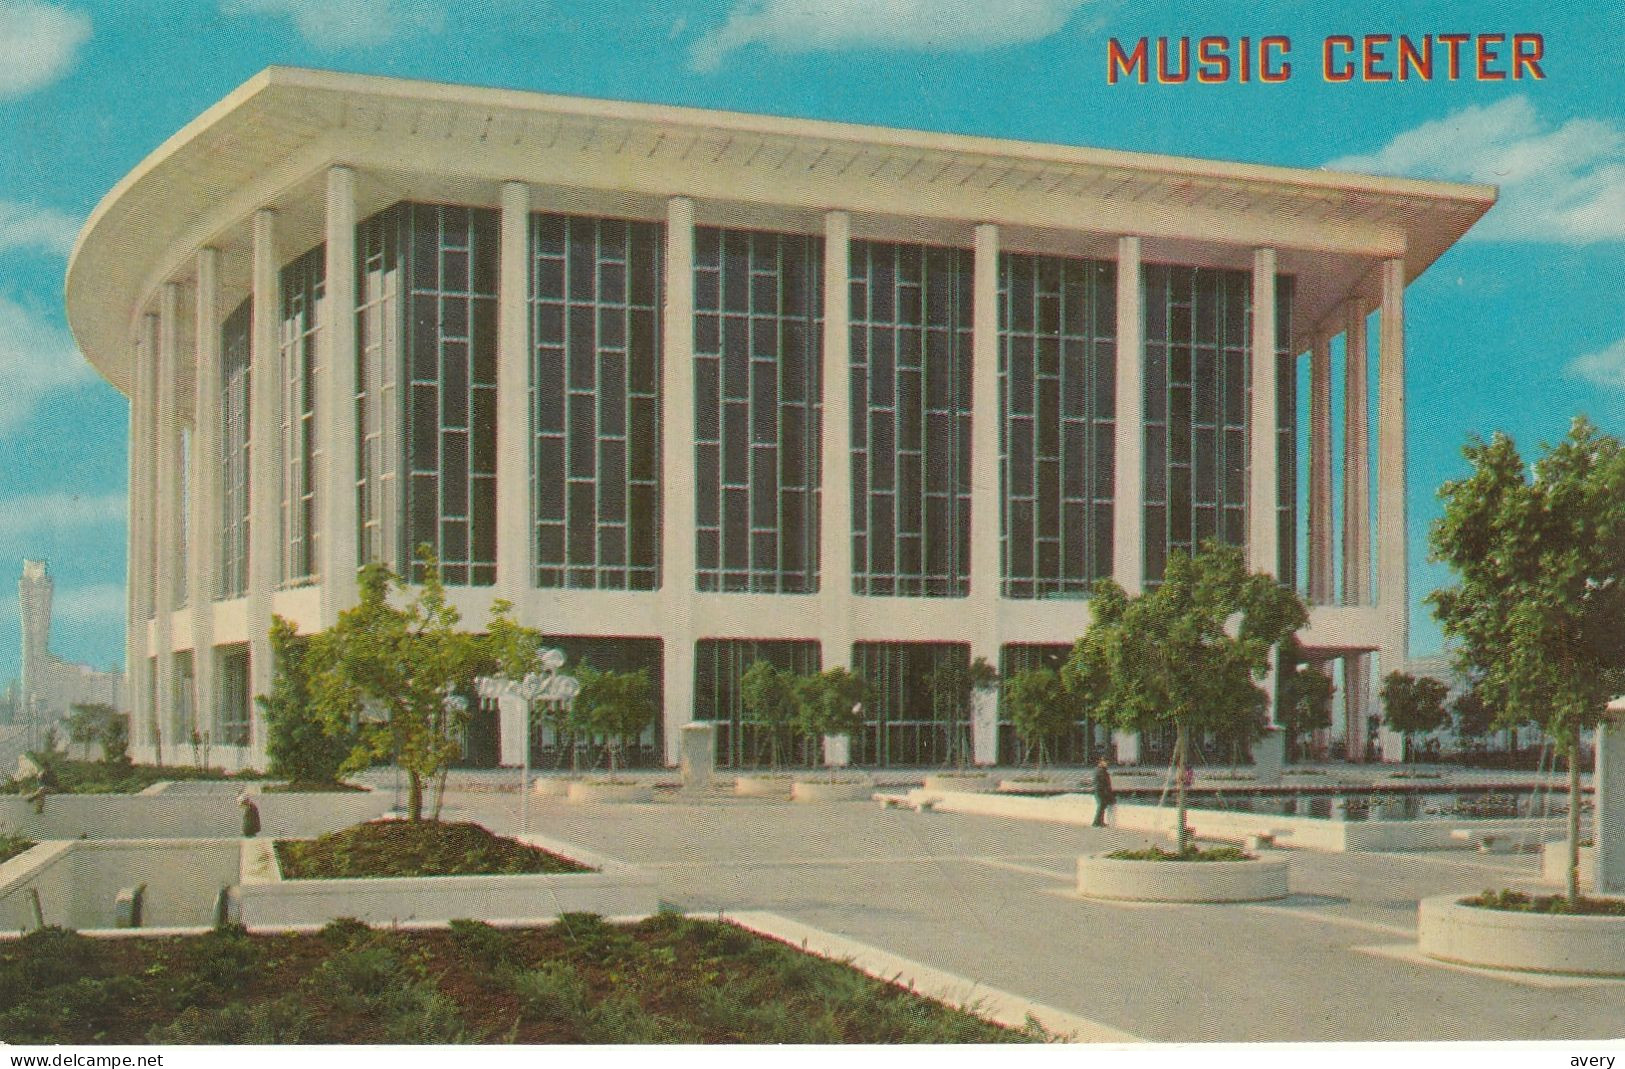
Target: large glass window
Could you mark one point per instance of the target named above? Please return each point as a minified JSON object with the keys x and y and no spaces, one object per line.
{"x":719,"y":664}
{"x":911,"y":412}
{"x":303,"y":294}
{"x":232,"y":707}
{"x":595,"y":299}
{"x":1197,"y":405}
{"x":904,"y":723}
{"x":1057,"y":375}
{"x":427,"y":319}
{"x":758,"y":339}
{"x":234,"y":439}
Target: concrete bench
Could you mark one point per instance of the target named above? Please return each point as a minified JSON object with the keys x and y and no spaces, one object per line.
{"x":1487,"y":842}
{"x":903,"y":801}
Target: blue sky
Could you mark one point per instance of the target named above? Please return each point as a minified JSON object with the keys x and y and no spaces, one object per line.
{"x":1516,"y":329}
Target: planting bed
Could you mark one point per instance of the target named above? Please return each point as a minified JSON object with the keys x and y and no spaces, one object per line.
{"x":666,"y":979}
{"x":407,"y":848}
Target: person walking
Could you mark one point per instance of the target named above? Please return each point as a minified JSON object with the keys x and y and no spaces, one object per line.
{"x":1105,"y":797}
{"x":251,"y":815}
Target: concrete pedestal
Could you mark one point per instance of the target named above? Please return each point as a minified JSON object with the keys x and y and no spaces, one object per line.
{"x":511,"y":710}
{"x":1609,"y":801}
{"x":698,"y":756}
{"x":1126,"y":745}
{"x":985,"y":726}
{"x":1269,"y":754}
{"x":837,"y":751}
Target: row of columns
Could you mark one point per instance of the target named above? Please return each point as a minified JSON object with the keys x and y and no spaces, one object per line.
{"x":156,"y":429}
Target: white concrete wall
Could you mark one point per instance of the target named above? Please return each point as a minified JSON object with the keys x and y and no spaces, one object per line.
{"x":186,"y":816}
{"x":78,"y":882}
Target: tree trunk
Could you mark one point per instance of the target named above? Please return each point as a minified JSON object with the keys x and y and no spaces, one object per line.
{"x":440,"y":791}
{"x":1180,"y":759}
{"x":1574,"y":820}
{"x":414,"y":796}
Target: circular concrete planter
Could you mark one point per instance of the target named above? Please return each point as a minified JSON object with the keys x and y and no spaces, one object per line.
{"x":762,"y":786}
{"x":1554,"y":863}
{"x":551,"y":787}
{"x":844,"y":790}
{"x":601,"y":792}
{"x":1019,"y":785}
{"x":1528,"y":942}
{"x":959,"y":781}
{"x":1254,"y":880}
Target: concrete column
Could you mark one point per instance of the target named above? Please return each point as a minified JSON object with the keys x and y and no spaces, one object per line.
{"x":1356,"y":464}
{"x":1128,"y":481}
{"x":203,"y":548}
{"x":1608,"y":827}
{"x":1263,"y":528}
{"x":677,"y":475}
{"x":835,"y":467}
{"x":987,"y":474}
{"x":167,"y":499}
{"x":264,"y":481}
{"x":1393,"y":588}
{"x":1320,"y":473}
{"x":337,"y":543}
{"x":143,"y":368}
{"x":514,"y":451}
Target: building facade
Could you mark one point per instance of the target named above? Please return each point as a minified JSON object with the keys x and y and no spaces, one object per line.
{"x":50,"y":687}
{"x":691,"y":388}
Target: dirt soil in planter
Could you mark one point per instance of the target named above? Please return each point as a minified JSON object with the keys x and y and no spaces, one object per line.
{"x":414,"y":848}
{"x":1518,"y":902}
{"x":667,"y":979}
{"x":1155,"y":853}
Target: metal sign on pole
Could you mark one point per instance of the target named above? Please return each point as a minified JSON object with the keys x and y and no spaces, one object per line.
{"x":547,"y":685}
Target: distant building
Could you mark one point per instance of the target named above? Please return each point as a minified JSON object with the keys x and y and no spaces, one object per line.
{"x":50,"y":686}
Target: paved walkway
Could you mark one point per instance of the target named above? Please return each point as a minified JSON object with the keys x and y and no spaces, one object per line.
{"x":991,"y":900}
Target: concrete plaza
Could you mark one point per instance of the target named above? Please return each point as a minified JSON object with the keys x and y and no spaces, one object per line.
{"x":991,"y":900}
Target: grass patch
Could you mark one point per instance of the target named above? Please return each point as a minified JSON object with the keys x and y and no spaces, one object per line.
{"x":1156,"y":853}
{"x":99,"y":777}
{"x":414,"y":848}
{"x":1519,"y":902}
{"x":11,"y":845}
{"x":664,"y":980}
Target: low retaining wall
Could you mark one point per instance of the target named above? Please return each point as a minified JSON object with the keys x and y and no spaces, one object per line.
{"x":815,"y":791}
{"x":762,"y":786}
{"x":1554,"y":865}
{"x":596,"y":792}
{"x":1528,"y":942}
{"x":1121,"y":879}
{"x":263,"y":899}
{"x":78,"y":881}
{"x":178,"y":815}
{"x":1309,"y":833}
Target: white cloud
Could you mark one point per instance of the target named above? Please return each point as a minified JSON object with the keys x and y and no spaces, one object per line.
{"x":1563,"y":183}
{"x":332,"y":25}
{"x":37,"y":358}
{"x":819,"y":25}
{"x":1605,"y":367}
{"x":38,"y":43}
{"x":76,"y":605}
{"x":24,"y":226}
{"x":26,"y":516}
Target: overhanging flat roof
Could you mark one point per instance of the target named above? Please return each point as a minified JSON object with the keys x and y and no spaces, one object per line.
{"x":286,"y":125}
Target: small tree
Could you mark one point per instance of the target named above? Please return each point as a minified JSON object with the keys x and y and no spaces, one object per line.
{"x":617,"y":705}
{"x":829,"y":703}
{"x":1472,"y":714}
{"x":1413,"y":705}
{"x":90,"y":723}
{"x":1306,"y":696}
{"x":1189,"y":652}
{"x":953,"y":688}
{"x":402,"y":662}
{"x":1538,"y":610}
{"x":304,"y":746}
{"x":1040,"y":708}
{"x":769,"y":696}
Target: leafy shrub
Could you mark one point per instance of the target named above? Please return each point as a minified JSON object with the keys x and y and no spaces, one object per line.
{"x":344,"y":931}
{"x":1519,"y":902}
{"x":279,"y":1020}
{"x":1153,"y":853}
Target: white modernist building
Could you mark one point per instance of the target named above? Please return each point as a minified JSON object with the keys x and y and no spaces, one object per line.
{"x":691,"y":388}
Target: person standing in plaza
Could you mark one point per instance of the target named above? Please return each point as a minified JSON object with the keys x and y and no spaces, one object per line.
{"x":1105,"y":798}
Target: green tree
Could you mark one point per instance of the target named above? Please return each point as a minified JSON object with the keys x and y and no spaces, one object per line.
{"x":829,"y":703}
{"x":769,"y":696}
{"x":404,"y":663}
{"x":303,"y":744}
{"x":616,"y":705}
{"x":953,"y":688}
{"x":92,"y":723}
{"x":1040,"y":707}
{"x":1189,"y":652}
{"x":1306,"y":696}
{"x":1473,"y":715}
{"x":1537,"y":613}
{"x":1412,"y":705}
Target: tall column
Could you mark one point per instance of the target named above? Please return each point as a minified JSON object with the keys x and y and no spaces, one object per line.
{"x":1128,"y":481}
{"x":835,"y":467}
{"x":264,"y":481}
{"x":1356,"y":521}
{"x":143,"y":370}
{"x":1263,"y":523}
{"x":1320,"y":473}
{"x":677,"y":473}
{"x":166,"y":478}
{"x":202,"y":549}
{"x":987,"y":482}
{"x":336,"y":544}
{"x":514,"y":451}
{"x":1393,"y":589}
